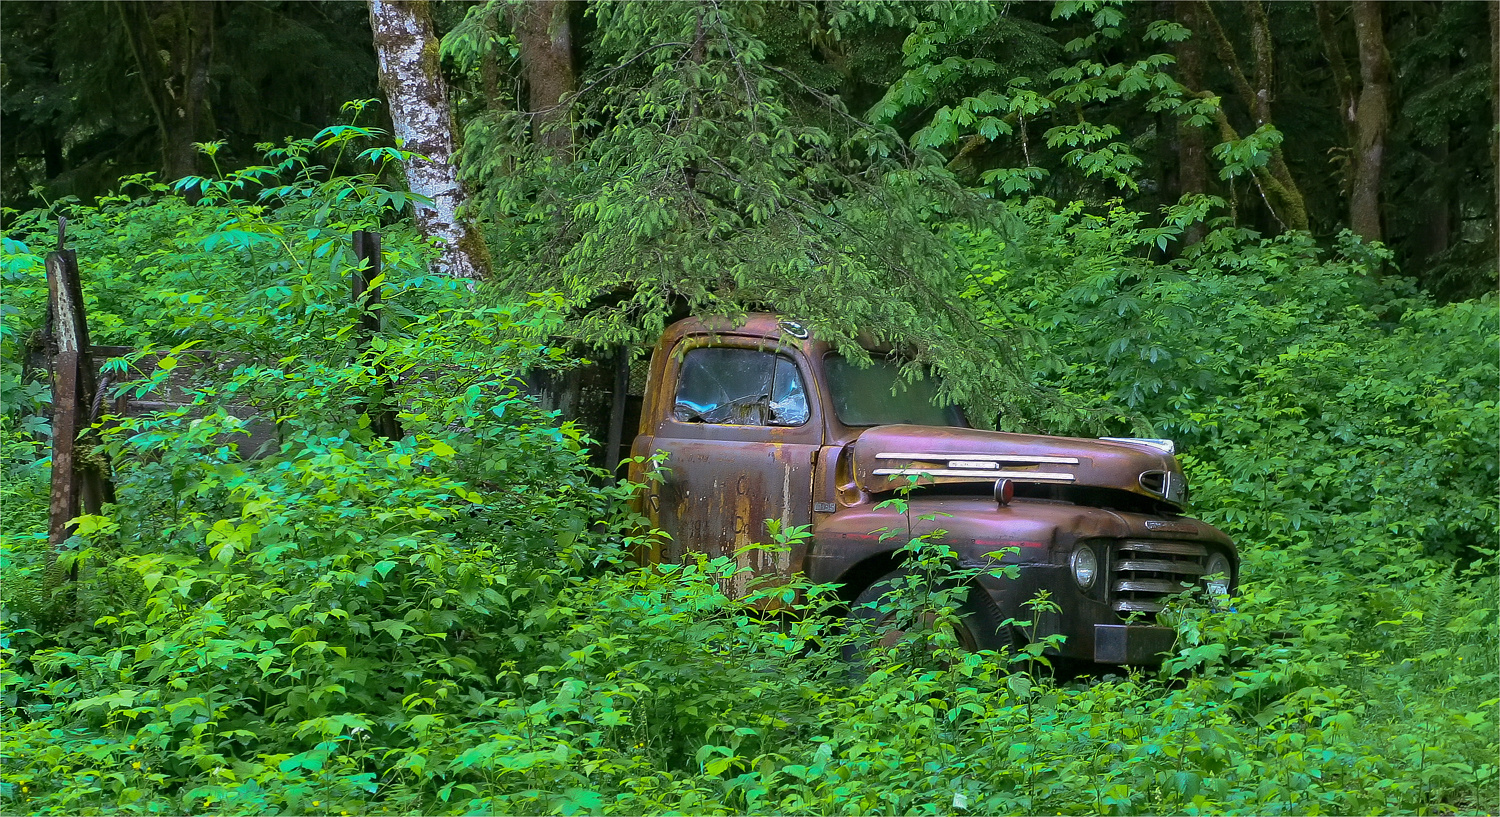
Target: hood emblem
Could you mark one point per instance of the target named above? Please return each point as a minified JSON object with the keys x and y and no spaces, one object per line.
{"x":1164,"y":446}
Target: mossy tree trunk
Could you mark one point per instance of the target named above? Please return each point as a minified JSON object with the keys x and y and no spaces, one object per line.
{"x":1192,"y":148}
{"x":172,"y":46}
{"x":1372,"y":117}
{"x":544,"y":32}
{"x":1282,"y":195}
{"x":407,"y":51}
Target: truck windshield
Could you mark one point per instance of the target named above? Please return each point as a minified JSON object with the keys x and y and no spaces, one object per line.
{"x":877,"y":395}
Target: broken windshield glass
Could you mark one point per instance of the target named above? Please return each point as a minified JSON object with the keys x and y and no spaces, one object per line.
{"x":747,"y":387}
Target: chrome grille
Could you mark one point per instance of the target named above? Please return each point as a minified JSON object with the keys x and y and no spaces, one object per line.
{"x":1144,"y":571}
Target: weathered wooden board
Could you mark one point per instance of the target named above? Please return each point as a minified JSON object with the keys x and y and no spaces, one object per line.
{"x":195,"y":368}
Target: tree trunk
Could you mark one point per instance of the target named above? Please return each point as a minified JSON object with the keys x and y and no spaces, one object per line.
{"x":173,"y":45}
{"x":1437,"y":222}
{"x":1371,"y":120}
{"x":1260,"y":44}
{"x":54,"y":161}
{"x":1192,"y":151}
{"x":1437,"y":226}
{"x":491,"y":76}
{"x":1277,"y":185}
{"x":544,"y":30}
{"x":1495,"y":97}
{"x":407,"y":51}
{"x":187,"y":103}
{"x":1342,"y":79}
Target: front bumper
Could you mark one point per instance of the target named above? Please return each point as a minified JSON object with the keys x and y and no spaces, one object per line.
{"x":1092,"y":631}
{"x":1132,"y":643}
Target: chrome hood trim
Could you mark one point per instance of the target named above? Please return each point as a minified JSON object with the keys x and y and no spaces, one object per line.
{"x":886,"y":457}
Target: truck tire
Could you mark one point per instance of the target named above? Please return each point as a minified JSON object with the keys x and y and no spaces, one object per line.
{"x":979,"y":620}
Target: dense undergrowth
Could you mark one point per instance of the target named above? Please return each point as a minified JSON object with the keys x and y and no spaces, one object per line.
{"x":449,"y":623}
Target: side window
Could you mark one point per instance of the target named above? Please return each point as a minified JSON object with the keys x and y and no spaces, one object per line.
{"x":739,"y":387}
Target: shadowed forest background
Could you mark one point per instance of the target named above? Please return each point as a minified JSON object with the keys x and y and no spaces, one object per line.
{"x":1265,"y":230}
{"x":94,"y":93}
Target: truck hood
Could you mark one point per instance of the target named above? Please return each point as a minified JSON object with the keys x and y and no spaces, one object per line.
{"x":885,"y":457}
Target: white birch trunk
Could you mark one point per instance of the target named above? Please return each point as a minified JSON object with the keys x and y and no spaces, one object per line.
{"x":407,"y":52}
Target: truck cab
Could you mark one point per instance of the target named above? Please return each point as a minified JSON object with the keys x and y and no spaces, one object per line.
{"x":757,"y":419}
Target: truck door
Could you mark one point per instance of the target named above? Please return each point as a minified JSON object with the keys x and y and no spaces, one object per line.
{"x":740,"y":432}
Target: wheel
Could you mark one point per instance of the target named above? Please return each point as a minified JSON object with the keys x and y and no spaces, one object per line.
{"x":979,"y":626}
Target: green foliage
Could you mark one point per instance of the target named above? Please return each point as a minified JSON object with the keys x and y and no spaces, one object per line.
{"x":449,"y":623}
{"x":1311,"y":392}
{"x":1107,"y":103}
{"x":980,"y":102}
{"x":699,"y":182}
{"x":1340,"y":427}
{"x":1444,"y":157}
{"x":236,"y":615}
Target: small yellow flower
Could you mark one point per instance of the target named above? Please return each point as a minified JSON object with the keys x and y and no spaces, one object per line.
{"x":317,"y":802}
{"x":135,"y":765}
{"x":25,"y":789}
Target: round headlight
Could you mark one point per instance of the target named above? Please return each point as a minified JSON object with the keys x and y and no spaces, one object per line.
{"x":1220,"y":572}
{"x":1085,"y":566}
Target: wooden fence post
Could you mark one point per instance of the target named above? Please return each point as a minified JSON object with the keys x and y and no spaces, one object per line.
{"x":367,"y":299}
{"x":80,"y":474}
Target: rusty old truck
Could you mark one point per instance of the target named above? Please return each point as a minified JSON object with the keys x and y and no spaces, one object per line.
{"x":756,"y":419}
